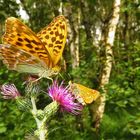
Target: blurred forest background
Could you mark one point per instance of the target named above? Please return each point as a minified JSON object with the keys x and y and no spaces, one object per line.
{"x":92,"y":57}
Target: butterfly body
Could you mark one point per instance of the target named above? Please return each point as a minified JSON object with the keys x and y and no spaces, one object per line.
{"x":84,"y":94}
{"x":24,"y":51}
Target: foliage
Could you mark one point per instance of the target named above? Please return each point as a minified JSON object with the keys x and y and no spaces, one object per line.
{"x":12,"y":120}
{"x":8,"y":8}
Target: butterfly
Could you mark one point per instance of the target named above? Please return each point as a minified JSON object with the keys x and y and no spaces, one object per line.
{"x":38,"y":54}
{"x":84,"y":94}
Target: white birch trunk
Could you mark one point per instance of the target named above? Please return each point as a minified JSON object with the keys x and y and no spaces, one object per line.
{"x":73,"y":38}
{"x":109,"y":58}
{"x":76,"y":42}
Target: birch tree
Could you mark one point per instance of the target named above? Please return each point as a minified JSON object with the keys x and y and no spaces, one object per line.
{"x":105,"y":76}
{"x":73,"y":32}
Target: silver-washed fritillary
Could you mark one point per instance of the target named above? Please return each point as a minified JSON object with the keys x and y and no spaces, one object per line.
{"x":24,"y":51}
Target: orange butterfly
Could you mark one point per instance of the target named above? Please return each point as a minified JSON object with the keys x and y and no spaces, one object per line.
{"x":24,"y":51}
{"x":84,"y":94}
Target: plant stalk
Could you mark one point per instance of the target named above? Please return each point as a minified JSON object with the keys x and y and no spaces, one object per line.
{"x":41,"y":131}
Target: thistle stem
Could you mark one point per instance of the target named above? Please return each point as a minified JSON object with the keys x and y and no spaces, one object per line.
{"x":41,"y":129}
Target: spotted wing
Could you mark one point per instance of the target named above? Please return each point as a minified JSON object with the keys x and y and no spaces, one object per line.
{"x":20,"y":60}
{"x":21,"y":37}
{"x":54,"y":38}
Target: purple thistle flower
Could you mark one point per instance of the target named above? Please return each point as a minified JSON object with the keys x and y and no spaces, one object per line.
{"x":64,"y":98}
{"x":9,"y":91}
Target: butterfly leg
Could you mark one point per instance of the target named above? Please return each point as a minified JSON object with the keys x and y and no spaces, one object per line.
{"x":43,"y":77}
{"x":37,"y":79}
{"x":45,"y":74}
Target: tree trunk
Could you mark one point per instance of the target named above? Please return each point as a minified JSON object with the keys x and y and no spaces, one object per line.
{"x":73,"y":34}
{"x":75,"y":46}
{"x":108,"y":61}
{"x":86,"y":18}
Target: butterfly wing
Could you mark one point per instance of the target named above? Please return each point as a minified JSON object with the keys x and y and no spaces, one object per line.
{"x":54,"y":38}
{"x":88,"y":95}
{"x":20,"y":36}
{"x":20,"y":60}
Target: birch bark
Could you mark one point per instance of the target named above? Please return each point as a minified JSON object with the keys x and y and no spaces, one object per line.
{"x":73,"y":34}
{"x":108,"y":60}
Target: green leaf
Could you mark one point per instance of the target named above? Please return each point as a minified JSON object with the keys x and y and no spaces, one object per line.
{"x":2,"y":128}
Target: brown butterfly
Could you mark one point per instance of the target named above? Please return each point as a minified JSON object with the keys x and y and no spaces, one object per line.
{"x":24,"y":51}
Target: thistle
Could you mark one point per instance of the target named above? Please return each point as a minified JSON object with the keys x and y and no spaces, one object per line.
{"x":9,"y":91}
{"x":62,"y":99}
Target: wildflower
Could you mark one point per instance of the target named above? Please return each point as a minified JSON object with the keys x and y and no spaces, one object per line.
{"x":64,"y":98}
{"x":9,"y":91}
